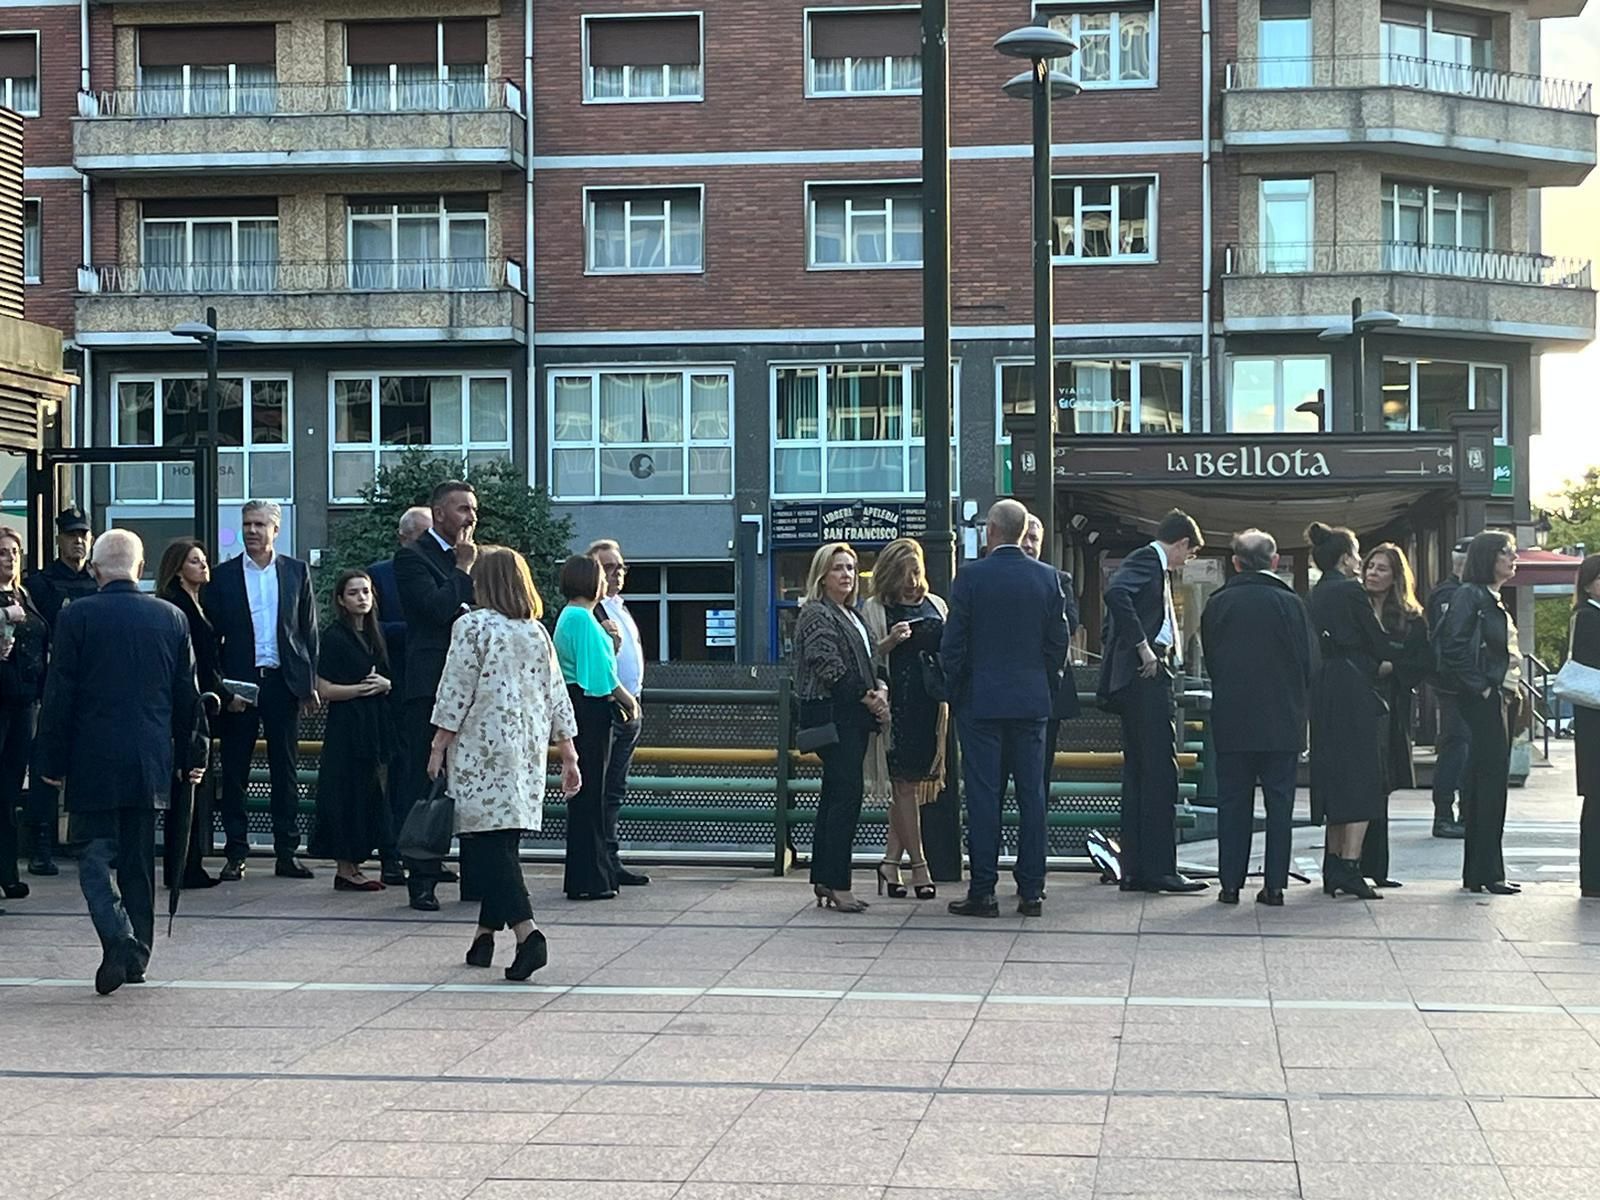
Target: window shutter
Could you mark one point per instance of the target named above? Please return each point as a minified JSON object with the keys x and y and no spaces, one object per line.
{"x":208,"y":45}
{"x":894,"y":33}
{"x":377,"y":43}
{"x":217,"y":206}
{"x":466,"y":41}
{"x":644,"y":41}
{"x":19,"y":56}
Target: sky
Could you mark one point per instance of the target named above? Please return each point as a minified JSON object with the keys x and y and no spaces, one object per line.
{"x":1570,"y":442}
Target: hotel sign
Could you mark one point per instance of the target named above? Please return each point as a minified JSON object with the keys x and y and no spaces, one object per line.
{"x":1382,"y":460}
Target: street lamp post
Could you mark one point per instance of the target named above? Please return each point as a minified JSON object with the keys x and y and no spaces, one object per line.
{"x":207,"y":486}
{"x":1361,"y":324}
{"x":1041,"y":46}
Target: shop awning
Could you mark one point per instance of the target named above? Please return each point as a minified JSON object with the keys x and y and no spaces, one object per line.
{"x":1546,"y":568}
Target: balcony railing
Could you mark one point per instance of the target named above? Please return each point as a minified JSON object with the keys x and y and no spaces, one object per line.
{"x":1371,"y":258}
{"x":327,"y":275}
{"x":1401,"y":71}
{"x":304,"y":99}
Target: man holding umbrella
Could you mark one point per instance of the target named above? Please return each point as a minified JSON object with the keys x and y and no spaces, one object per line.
{"x":119,"y":719}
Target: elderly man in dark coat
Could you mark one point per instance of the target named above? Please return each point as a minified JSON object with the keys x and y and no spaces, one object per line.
{"x":1259,"y":647}
{"x":120,"y":713}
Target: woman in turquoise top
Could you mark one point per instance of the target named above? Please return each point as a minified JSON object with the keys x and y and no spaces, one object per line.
{"x":589,"y":664}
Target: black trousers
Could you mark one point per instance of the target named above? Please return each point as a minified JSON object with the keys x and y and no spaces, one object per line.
{"x":1375,"y":848}
{"x":1483,"y":798}
{"x":1451,"y":746}
{"x":624,"y":737}
{"x":491,"y":859}
{"x":1238,"y":772}
{"x":16,"y":751}
{"x":121,"y":840}
{"x":833,"y":838}
{"x":588,"y":868}
{"x":276,"y":716}
{"x":416,"y":736}
{"x":1149,"y":779}
{"x":1589,"y":845}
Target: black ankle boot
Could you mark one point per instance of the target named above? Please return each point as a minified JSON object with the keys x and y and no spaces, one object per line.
{"x":1349,"y":880}
{"x":421,"y":893}
{"x":532,"y":953}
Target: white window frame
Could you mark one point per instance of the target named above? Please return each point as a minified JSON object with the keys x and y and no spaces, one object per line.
{"x":595,"y":443}
{"x":1278,"y":399}
{"x":822,"y":443}
{"x":159,"y":379}
{"x":1136,"y":419}
{"x":815,"y":93}
{"x":7,"y":81}
{"x":446,"y":217}
{"x":444,"y":89}
{"x":1044,"y":11}
{"x":1503,"y":437}
{"x":1264,"y":242}
{"x":188,"y":90}
{"x":1390,"y":199}
{"x":889,"y":199}
{"x":378,"y":447}
{"x":187,"y":268}
{"x":627,"y":71}
{"x":1152,"y":221}
{"x":36,"y":206}
{"x":628,"y":196}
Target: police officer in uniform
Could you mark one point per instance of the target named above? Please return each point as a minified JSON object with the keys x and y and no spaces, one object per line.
{"x":59,"y":584}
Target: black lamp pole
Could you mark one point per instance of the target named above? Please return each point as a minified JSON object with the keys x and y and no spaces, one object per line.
{"x":1044,"y":309}
{"x":939,"y":540}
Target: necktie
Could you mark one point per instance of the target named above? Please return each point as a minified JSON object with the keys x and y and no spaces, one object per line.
{"x":1172,"y":622}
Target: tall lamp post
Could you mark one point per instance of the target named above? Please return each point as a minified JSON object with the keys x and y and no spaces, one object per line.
{"x":1041,"y":45}
{"x":1361,"y":324}
{"x":207,"y":486}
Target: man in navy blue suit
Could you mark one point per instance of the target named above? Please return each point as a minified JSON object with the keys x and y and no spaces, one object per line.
{"x":1003,"y":650}
{"x":1141,"y":647}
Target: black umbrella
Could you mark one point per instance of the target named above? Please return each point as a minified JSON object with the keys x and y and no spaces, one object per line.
{"x":183,"y":811}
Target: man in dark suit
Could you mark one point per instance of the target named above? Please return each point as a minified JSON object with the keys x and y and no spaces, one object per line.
{"x":1259,"y":645}
{"x":1453,"y":742}
{"x":1141,"y":647}
{"x":266,"y":621}
{"x":1003,"y":649}
{"x":434,"y":578}
{"x":66,"y":579}
{"x":119,"y":717}
{"x":1066,"y":707}
{"x":414,"y":522}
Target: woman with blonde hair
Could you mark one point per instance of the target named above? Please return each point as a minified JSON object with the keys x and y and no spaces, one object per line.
{"x":500,"y":702}
{"x":840,"y":708}
{"x":906,"y":622}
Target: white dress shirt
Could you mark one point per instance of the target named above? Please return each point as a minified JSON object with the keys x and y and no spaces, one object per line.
{"x":261,"y":587}
{"x":443,"y":545}
{"x":1168,"y":637}
{"x":630,"y":655}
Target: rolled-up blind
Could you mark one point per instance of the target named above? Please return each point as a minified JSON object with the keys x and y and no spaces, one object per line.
{"x":19,"y":56}
{"x":208,"y":45}
{"x":211,"y":206}
{"x":644,"y":41}
{"x":886,"y":33}
{"x":466,"y":41}
{"x":379,"y":42}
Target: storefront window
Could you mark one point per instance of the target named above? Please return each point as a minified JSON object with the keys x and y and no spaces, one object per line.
{"x":256,"y":459}
{"x":1104,"y":395}
{"x":1278,"y":395}
{"x":683,"y":610}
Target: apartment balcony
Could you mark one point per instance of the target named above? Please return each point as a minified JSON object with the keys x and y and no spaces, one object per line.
{"x":1543,"y":10}
{"x":278,"y":128}
{"x":327,"y":303}
{"x":1412,"y":108}
{"x":1433,"y":289}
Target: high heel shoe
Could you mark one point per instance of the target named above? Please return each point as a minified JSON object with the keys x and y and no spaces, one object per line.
{"x":482,"y":952}
{"x":1347,"y":878}
{"x":532,"y":953}
{"x":827,"y":898}
{"x":924,"y":891}
{"x":1497,"y":889}
{"x":897,"y":890}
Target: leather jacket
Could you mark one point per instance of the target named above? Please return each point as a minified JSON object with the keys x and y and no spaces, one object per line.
{"x":1472,"y":644}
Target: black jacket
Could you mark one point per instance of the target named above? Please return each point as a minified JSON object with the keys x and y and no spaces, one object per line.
{"x":433,"y":593}
{"x":202,"y":638}
{"x":1439,"y":600}
{"x":1006,"y":639}
{"x":1585,"y":649}
{"x":391,"y":618}
{"x":1473,"y":643}
{"x":120,"y":707}
{"x":57,"y":585}
{"x":1066,"y":706}
{"x":22,"y":672}
{"x":1260,"y":650}
{"x":1136,"y":608}
{"x":228,"y":605}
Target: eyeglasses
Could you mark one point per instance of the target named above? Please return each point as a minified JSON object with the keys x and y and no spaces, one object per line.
{"x":616,"y":568}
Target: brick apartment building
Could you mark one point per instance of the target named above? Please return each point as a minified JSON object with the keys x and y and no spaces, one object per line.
{"x":710,"y":346}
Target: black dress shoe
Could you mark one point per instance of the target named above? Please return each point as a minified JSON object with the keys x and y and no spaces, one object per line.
{"x":1449,"y":829}
{"x":199,"y":880}
{"x":627,"y":878}
{"x":976,"y":906}
{"x":1497,"y":889}
{"x":138,"y":960}
{"x":1130,"y":885}
{"x":1270,"y":896}
{"x":393,"y":874}
{"x":15,"y":891}
{"x":232,"y":871}
{"x":422,"y":897}
{"x":591,"y":895}
{"x":1228,"y":896}
{"x":1031,"y":908}
{"x":532,"y":953}
{"x":42,"y":864}
{"x":1177,"y":883}
{"x":115,"y":961}
{"x":1387,"y":883}
{"x":288,"y":868}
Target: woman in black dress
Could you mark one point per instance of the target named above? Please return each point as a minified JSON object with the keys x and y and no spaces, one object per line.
{"x":1392,"y":589}
{"x":907,"y":624}
{"x":183,"y":573}
{"x":1585,"y":649}
{"x":358,"y":740}
{"x":23,"y":640}
{"x":1348,"y":716}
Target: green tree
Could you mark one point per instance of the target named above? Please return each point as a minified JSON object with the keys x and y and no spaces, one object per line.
{"x":1575,"y":515}
{"x":510,"y":513}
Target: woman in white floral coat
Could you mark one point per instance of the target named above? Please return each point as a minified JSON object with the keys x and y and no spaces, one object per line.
{"x":500,"y":702}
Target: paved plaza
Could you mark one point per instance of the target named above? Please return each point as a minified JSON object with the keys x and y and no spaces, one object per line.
{"x":714,"y":1035}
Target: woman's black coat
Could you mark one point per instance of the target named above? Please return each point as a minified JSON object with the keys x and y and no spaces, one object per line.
{"x":1348,"y":716}
{"x":1586,"y":721}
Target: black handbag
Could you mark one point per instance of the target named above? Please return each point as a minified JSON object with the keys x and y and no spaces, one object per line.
{"x":933,"y":681}
{"x":429,"y":825}
{"x":816,"y":730}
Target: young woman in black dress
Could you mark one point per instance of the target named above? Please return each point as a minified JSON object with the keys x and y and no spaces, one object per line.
{"x":23,"y":637}
{"x":353,"y":681}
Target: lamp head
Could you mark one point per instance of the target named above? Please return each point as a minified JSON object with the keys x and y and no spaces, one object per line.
{"x":1333,"y":333}
{"x":198,"y":330}
{"x":1035,"y":43}
{"x":1376,"y":318}
{"x":1020,"y":87}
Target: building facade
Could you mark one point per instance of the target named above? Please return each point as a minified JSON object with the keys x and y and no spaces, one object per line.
{"x":667,"y":256}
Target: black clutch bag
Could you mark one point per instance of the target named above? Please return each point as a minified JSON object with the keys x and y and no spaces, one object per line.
{"x":817,"y":729}
{"x":429,"y":825}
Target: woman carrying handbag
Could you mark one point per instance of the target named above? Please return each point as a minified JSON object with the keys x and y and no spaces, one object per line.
{"x":1584,"y":651}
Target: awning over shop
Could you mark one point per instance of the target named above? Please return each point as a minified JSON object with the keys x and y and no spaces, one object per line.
{"x":1546,"y":568}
